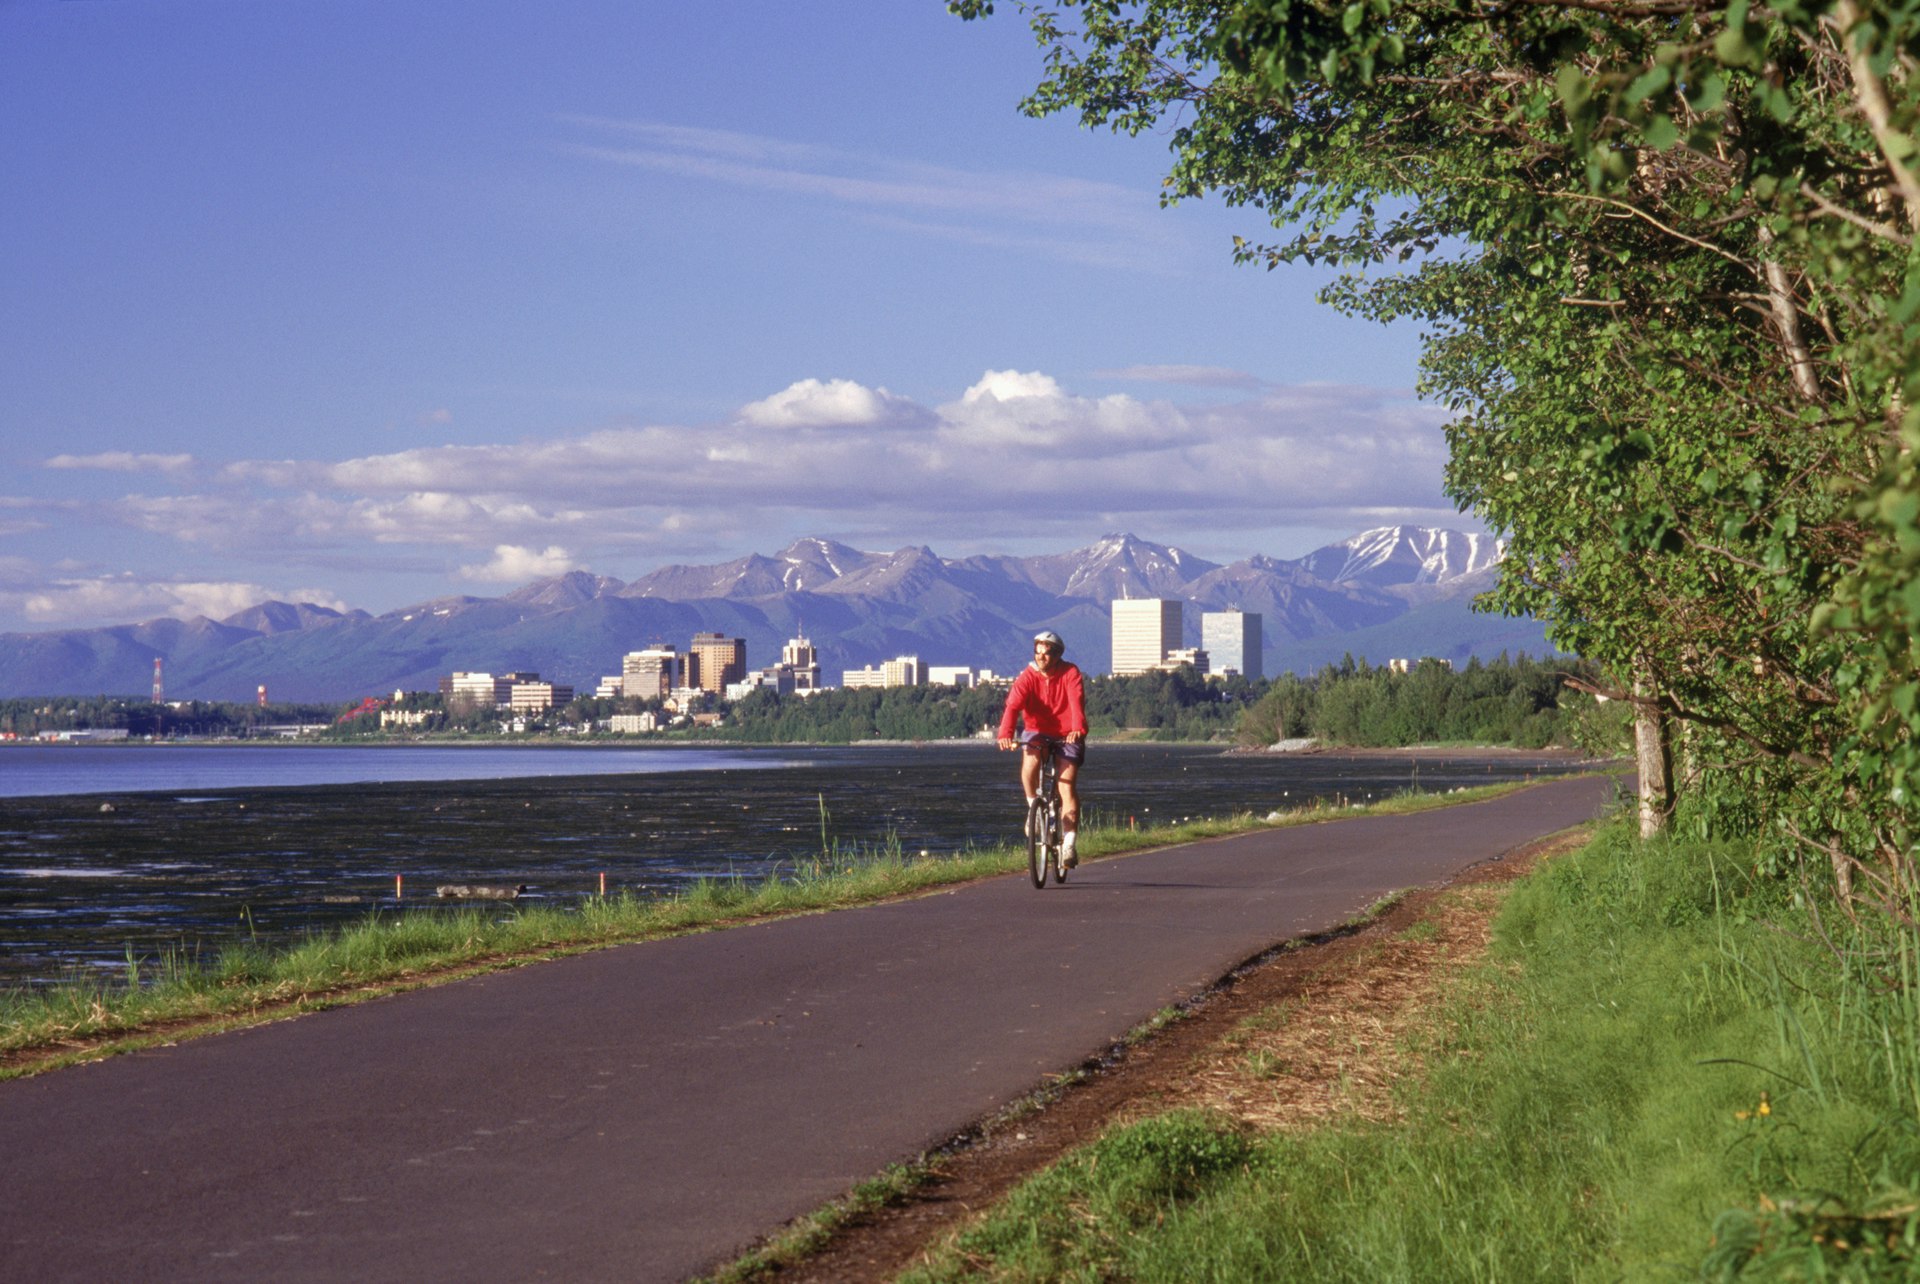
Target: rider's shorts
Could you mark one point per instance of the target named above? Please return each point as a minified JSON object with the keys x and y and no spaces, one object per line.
{"x":1073,"y":751}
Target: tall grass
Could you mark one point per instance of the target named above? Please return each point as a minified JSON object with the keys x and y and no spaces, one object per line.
{"x":1655,"y":1077}
{"x":394,"y":949}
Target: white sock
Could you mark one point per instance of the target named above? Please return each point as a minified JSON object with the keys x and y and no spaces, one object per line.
{"x":1067,"y":842}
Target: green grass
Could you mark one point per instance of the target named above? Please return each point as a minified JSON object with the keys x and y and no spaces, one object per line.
{"x":1593,"y":1111}
{"x":158,"y":996}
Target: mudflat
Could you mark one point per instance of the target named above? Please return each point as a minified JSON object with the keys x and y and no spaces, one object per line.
{"x":645,"y":1112}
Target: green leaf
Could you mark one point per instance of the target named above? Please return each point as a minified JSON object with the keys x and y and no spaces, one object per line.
{"x":1731,"y":48}
{"x":1661,"y":133}
{"x":1649,"y":82}
{"x":1573,"y":86}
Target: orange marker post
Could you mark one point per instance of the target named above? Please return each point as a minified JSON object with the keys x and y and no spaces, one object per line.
{"x":603,"y":884}
{"x":396,"y":886}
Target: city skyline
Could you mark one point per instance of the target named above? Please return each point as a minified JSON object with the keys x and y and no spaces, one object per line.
{"x":589,"y":287}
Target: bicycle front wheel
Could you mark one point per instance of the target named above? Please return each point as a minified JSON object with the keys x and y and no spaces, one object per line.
{"x":1037,"y":843}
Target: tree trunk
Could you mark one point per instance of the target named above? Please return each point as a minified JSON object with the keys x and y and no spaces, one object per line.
{"x":1655,"y":755}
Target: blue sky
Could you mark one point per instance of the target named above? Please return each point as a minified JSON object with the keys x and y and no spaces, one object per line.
{"x":370,"y":302}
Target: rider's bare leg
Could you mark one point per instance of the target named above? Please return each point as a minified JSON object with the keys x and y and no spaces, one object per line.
{"x":1030,"y":772}
{"x":1069,"y":796}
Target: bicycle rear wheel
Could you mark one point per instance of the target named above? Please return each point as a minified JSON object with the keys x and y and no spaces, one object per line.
{"x":1037,"y":843}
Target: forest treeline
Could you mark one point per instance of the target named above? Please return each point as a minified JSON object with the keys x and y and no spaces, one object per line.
{"x":26,"y":716}
{"x":1508,"y":701}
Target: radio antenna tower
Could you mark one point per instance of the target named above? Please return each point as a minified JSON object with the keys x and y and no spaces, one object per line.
{"x":159,"y":691}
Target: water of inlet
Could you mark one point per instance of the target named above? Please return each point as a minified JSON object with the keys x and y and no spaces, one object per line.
{"x":144,"y":850}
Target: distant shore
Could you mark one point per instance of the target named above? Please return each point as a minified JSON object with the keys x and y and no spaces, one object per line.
{"x":1559,"y":753}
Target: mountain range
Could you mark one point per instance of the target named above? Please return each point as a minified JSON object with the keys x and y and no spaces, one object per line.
{"x":1394,"y":591}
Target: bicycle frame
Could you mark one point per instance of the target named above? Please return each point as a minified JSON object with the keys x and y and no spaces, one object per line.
{"x":1044,"y":844}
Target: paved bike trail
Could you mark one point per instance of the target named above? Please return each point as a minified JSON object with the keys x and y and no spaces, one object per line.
{"x":643,"y":1112}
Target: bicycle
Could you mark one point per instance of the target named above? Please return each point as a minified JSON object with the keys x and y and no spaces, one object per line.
{"x":1044,"y":847}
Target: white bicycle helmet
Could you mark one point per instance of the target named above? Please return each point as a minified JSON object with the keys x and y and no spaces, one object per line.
{"x":1048,"y":637}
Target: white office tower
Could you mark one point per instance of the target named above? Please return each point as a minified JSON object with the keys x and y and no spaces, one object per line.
{"x":1232,"y":640}
{"x":801,"y":656}
{"x":1144,"y":631}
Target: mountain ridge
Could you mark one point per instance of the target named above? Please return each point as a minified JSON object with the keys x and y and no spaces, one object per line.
{"x":858,"y":607}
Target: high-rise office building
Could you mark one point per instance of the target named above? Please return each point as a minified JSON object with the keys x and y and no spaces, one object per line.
{"x":714,"y":660}
{"x":1233,"y":641}
{"x":800,"y":656}
{"x":649,"y":674}
{"x":1144,"y":631}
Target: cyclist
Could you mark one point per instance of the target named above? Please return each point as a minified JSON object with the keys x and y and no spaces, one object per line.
{"x":1049,"y":696}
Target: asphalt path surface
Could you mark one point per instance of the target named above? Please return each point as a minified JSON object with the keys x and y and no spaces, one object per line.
{"x":642,"y":1113}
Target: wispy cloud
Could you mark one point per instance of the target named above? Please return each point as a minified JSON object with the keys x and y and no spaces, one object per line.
{"x":1072,"y":218}
{"x":1190,"y":376}
{"x":121,"y":461}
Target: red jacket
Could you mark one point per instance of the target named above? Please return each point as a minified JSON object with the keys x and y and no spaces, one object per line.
{"x":1054,"y":703}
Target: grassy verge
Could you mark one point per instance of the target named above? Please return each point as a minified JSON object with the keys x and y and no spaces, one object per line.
{"x":1661,"y":1071}
{"x":178,"y":994}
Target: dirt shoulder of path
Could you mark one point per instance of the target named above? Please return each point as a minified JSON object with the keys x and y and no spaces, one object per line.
{"x":1307,"y":1032}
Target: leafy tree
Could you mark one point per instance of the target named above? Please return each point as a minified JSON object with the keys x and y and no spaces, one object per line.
{"x":1663,"y":251}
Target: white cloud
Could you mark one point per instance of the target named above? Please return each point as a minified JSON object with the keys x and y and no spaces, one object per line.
{"x":1010,"y":385}
{"x":1016,"y":459}
{"x":127,"y":596}
{"x":1009,"y":409}
{"x":1012,"y":444}
{"x":122,"y":461}
{"x":512,"y":564}
{"x":839,"y":403}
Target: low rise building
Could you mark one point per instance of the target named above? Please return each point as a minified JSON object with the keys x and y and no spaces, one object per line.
{"x":1407,"y":666}
{"x":537,"y":697}
{"x":484,"y":690}
{"x":901,"y":671}
{"x":1184,"y":656}
{"x":777,"y":678}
